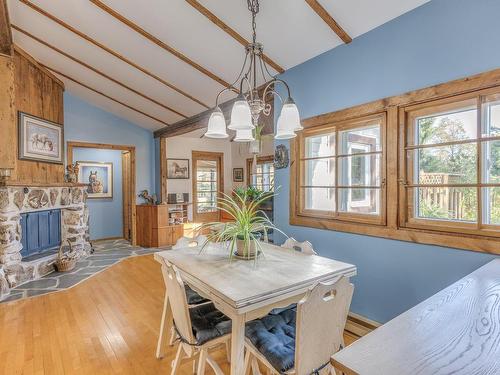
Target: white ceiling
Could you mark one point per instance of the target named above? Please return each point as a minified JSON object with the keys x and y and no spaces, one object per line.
{"x":290,"y":30}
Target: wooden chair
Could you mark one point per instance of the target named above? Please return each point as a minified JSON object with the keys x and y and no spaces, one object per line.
{"x":303,"y":247}
{"x":193,"y":298}
{"x":319,"y":326}
{"x":200,"y":328}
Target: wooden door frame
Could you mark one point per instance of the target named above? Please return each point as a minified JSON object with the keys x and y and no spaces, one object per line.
{"x":70,"y":145}
{"x":196,"y":155}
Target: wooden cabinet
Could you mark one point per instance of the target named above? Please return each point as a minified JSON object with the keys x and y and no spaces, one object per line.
{"x":153,"y":229}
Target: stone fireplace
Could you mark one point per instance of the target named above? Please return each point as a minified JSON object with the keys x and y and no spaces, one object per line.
{"x":14,"y":201}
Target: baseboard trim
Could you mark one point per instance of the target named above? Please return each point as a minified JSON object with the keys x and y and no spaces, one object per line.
{"x":359,"y":325}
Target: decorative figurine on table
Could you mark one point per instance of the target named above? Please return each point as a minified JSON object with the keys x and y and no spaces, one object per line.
{"x":150,"y":199}
{"x":72,"y":171}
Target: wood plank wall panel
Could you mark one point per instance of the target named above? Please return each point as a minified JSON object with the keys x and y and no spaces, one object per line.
{"x":38,"y":94}
{"x":7,"y":114}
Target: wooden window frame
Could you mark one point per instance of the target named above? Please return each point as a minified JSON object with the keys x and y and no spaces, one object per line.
{"x":395,"y":226}
{"x":337,"y":128}
{"x":476,"y":100}
{"x":260,"y":160}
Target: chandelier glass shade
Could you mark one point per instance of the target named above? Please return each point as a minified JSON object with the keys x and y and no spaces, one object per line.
{"x":217,"y":125}
{"x":244,"y":135}
{"x":254,"y":101}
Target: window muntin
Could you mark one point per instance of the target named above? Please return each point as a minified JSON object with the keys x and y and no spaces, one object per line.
{"x":453,"y":165}
{"x":341,"y":171}
{"x":263,"y":177}
{"x":206,"y":186}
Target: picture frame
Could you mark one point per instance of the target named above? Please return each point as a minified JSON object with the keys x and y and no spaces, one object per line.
{"x":238,"y":175}
{"x":40,"y":139}
{"x":178,"y":169}
{"x":99,"y":178}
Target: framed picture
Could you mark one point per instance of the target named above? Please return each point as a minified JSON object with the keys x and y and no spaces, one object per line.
{"x":39,"y":139}
{"x":178,"y":169}
{"x":99,"y":178}
{"x":237,"y":174}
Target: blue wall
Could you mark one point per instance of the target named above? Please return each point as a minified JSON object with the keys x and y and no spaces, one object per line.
{"x":437,"y":42}
{"x":87,"y":123}
{"x":106,"y":214}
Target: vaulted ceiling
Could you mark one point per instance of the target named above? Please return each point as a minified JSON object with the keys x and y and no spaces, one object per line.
{"x":157,"y":62}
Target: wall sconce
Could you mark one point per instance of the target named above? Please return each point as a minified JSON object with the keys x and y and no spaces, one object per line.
{"x":5,"y":173}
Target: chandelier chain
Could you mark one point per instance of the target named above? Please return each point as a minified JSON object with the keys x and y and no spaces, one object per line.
{"x":253,"y":7}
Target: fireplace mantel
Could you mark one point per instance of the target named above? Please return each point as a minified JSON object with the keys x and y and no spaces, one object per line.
{"x":17,"y":199}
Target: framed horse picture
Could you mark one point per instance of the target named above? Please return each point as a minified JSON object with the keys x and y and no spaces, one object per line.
{"x":40,"y":140}
{"x":98,"y":177}
{"x":178,"y":169}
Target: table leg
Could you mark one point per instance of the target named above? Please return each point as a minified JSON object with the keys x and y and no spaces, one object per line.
{"x":238,"y":345}
{"x":165,"y":328}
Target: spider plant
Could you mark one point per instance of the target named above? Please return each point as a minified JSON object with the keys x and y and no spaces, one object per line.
{"x":244,"y":233}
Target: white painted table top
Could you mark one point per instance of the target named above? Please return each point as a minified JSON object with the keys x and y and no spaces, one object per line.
{"x":456,"y":331}
{"x":241,"y":283}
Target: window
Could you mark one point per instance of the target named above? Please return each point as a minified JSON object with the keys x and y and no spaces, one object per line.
{"x":263,"y":176}
{"x":453,"y":165}
{"x":206,"y":186}
{"x":341,"y":172}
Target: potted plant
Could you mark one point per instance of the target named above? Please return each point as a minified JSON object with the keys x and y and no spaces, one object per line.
{"x":244,"y":233}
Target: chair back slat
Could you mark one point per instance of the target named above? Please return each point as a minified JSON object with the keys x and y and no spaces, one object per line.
{"x":321,"y":319}
{"x":178,"y":301}
{"x":303,"y":247}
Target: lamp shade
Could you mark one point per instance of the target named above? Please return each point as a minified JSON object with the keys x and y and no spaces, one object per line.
{"x":290,"y":115}
{"x":216,"y":125}
{"x":244,"y":135}
{"x":283,"y":131}
{"x":241,"y":117}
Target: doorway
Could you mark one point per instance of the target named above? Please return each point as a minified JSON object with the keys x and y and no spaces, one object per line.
{"x":128,"y":182}
{"x":208,"y":183}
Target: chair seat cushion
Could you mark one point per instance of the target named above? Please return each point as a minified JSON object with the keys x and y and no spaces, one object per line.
{"x":208,"y":323}
{"x":274,"y":337}
{"x":194,"y":298}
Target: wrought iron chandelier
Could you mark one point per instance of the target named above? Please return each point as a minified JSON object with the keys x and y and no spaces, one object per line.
{"x":249,"y":105}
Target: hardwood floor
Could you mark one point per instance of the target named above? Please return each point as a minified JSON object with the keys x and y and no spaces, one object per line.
{"x":108,"y":324}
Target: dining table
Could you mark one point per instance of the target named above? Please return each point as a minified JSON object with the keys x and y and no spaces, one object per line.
{"x":456,"y":331}
{"x":245,"y":290}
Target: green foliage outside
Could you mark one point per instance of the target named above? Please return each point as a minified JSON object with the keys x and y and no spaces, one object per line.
{"x":459,"y":162}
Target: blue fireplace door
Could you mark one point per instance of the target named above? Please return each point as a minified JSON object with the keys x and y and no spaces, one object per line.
{"x":41,"y":231}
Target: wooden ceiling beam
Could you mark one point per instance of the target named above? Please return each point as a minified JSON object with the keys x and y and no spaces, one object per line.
{"x":230,"y":31}
{"x":5,"y":33}
{"x":95,"y":70}
{"x":200,"y":120}
{"x":195,"y":122}
{"x":158,"y":42}
{"x":110,"y":51}
{"x":325,"y":16}
{"x":103,"y":94}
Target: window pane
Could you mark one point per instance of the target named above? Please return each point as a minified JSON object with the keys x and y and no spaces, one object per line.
{"x":491,"y":125}
{"x":320,"y":199}
{"x":320,"y":146}
{"x":360,"y":170}
{"x":453,"y":164}
{"x":361,"y":140}
{"x":206,"y":207}
{"x":207,"y":186}
{"x":492,"y":205}
{"x":361,"y":201}
{"x":446,"y":203}
{"x":319,"y":172}
{"x":491,"y":162}
{"x":447,"y":127}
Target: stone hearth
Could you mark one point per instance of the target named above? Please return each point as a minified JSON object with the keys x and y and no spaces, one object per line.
{"x":74,"y":228}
